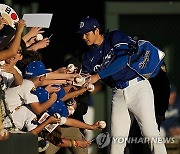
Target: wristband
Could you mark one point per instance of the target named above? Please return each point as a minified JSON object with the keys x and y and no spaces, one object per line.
{"x":74,"y":143}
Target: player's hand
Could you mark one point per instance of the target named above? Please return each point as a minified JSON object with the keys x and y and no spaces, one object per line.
{"x":94,"y":78}
{"x":85,"y":85}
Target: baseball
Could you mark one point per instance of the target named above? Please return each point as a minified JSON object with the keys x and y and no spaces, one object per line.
{"x":71,"y":68}
{"x":39,"y":37}
{"x":71,"y":110}
{"x":90,"y":87}
{"x":57,"y":115}
{"x":102,"y":124}
{"x":3,"y":132}
{"x":79,"y":79}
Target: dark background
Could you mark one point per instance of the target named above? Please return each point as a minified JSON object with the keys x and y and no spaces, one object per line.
{"x":65,"y":21}
{"x":64,"y":24}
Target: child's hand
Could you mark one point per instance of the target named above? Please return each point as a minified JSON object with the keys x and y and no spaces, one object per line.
{"x":53,"y":120}
{"x":53,"y":97}
{"x":83,"y":143}
{"x":51,"y":88}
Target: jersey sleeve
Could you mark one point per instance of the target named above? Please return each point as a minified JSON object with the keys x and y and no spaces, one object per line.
{"x":114,"y":67}
{"x":119,"y":41}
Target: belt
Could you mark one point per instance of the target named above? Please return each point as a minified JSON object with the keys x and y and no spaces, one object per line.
{"x":128,"y":83}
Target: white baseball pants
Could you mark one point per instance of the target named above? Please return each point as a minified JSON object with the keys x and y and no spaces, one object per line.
{"x":137,"y":98}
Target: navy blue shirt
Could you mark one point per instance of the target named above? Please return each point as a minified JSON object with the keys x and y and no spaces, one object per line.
{"x":98,"y":58}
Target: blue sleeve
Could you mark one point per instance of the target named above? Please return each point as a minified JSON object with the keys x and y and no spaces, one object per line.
{"x":114,"y":67}
{"x":119,"y":41}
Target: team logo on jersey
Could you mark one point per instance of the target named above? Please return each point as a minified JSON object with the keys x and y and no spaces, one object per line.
{"x":107,"y":59}
{"x":81,"y":25}
{"x":143,"y":64}
{"x":97,"y":68}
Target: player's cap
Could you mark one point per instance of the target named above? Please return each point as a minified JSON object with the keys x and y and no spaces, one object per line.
{"x":87,"y":24}
{"x":34,"y":69}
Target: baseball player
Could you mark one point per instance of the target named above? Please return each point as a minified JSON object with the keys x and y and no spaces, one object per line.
{"x":132,"y":93}
{"x":148,"y":61}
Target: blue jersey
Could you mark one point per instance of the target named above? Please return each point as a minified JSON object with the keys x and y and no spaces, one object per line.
{"x":98,"y":58}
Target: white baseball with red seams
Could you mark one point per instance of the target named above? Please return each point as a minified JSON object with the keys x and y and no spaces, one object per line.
{"x":90,"y":87}
{"x":71,"y":68}
{"x":39,"y":37}
{"x":102,"y":124}
{"x":79,"y":79}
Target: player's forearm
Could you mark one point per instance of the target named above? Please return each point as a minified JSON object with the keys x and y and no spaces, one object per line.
{"x":114,"y":67}
{"x":78,"y":124}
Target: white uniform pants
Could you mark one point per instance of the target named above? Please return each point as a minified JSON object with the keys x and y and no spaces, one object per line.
{"x":137,"y":98}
